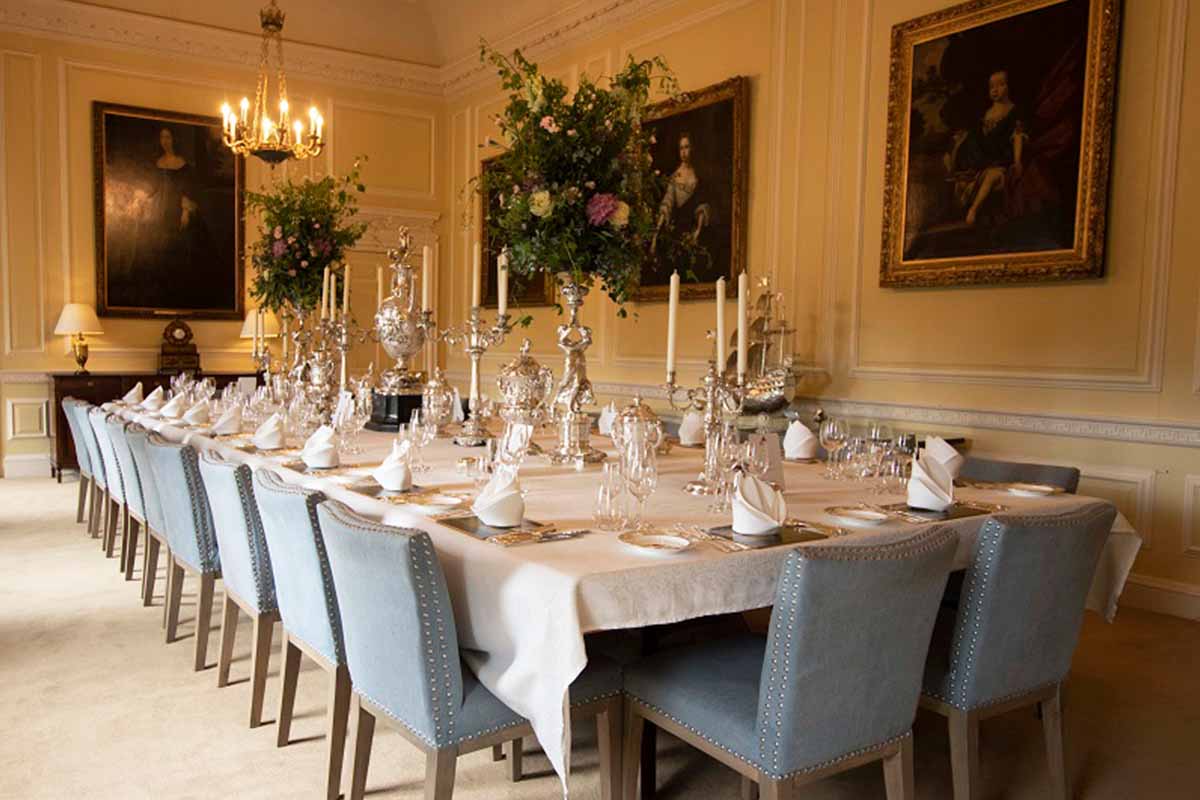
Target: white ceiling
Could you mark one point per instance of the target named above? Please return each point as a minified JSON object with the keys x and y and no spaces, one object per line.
{"x":431,"y":32}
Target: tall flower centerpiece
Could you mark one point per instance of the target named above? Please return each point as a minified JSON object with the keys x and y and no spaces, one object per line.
{"x":578,"y":199}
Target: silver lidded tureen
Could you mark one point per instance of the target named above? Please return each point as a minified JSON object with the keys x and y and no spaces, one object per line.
{"x":437,"y":401}
{"x":398,"y":323}
{"x":525,"y":389}
{"x":638,"y":424}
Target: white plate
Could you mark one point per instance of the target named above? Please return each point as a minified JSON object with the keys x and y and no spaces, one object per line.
{"x":1033,"y":489}
{"x":857,"y":517}
{"x":655,"y":544}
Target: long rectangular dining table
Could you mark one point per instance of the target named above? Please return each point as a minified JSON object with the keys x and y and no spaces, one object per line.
{"x":522,"y":611}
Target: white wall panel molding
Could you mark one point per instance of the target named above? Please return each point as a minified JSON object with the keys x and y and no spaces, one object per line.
{"x":35,"y":465}
{"x":27,"y":418}
{"x":383,"y":224}
{"x":13,"y":377}
{"x":1162,"y":596}
{"x":427,"y":192}
{"x":1146,"y":374}
{"x":1191,"y":515}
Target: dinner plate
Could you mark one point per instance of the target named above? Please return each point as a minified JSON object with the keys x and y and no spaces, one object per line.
{"x":857,"y":516}
{"x":654,"y":544}
{"x":1033,"y":489}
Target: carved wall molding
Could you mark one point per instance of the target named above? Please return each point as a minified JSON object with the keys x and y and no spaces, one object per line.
{"x":382,"y":224}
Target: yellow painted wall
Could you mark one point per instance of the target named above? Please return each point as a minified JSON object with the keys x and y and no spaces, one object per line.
{"x":1121,"y":348}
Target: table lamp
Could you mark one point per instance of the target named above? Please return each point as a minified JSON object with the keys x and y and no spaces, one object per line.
{"x":77,"y":320}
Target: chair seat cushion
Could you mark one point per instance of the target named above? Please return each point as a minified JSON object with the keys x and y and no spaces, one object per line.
{"x":710,"y":688}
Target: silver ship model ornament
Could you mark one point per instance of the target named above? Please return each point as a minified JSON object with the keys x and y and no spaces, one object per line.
{"x":770,"y":383}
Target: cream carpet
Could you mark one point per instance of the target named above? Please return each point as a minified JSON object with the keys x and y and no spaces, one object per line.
{"x":94,"y":705}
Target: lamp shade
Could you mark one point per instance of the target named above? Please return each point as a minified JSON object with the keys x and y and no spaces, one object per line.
{"x":270,"y":325}
{"x":77,"y":318}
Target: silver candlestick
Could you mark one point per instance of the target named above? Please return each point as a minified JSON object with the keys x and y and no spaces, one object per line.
{"x":476,"y":338}
{"x":712,"y":397}
{"x":574,"y":390}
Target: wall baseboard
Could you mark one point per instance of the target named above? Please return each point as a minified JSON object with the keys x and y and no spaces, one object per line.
{"x":32,"y":465}
{"x":1162,"y":596}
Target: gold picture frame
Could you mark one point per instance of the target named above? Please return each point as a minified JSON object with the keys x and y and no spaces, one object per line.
{"x":1024,"y":136}
{"x":717,"y":119}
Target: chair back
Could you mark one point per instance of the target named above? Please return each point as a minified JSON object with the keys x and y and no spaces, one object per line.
{"x":847,"y":644}
{"x":81,"y":412}
{"x":1022,"y":604}
{"x":245,"y":563}
{"x":184,"y":504}
{"x":986,"y":469}
{"x":138,"y":439}
{"x":401,"y":642}
{"x":69,"y":405}
{"x":304,"y":587}
{"x":130,"y":477}
{"x":112,"y":470}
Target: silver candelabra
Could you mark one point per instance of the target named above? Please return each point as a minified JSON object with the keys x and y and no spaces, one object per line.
{"x":476,"y":337}
{"x":714,"y":396}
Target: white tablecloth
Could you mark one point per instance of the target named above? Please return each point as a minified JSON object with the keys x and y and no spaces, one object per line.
{"x":523,"y":610}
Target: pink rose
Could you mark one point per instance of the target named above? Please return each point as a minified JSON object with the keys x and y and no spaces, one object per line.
{"x":549,"y":124}
{"x":600,"y":207}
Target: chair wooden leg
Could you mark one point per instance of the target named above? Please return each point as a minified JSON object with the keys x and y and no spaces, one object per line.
{"x":898,"y":772}
{"x":150,"y":569}
{"x":174,"y":597}
{"x":83,"y":485}
{"x":769,"y":789}
{"x":203,"y":620}
{"x":514,"y":751}
{"x":498,"y":752}
{"x":123,"y":553}
{"x":1052,"y":725}
{"x":610,"y":724}
{"x":631,"y":760}
{"x":229,"y":621}
{"x":289,"y":673}
{"x":749,"y":788}
{"x":260,"y":657}
{"x":439,"y":773}
{"x":93,"y":496}
{"x":338,"y":712}
{"x":135,"y":528}
{"x":364,"y":734}
{"x":110,"y":525}
{"x":964,"y":754}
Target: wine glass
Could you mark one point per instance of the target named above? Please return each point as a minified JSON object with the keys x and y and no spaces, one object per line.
{"x":730,"y":454}
{"x":609,"y":513}
{"x":832,"y":436}
{"x":893,"y":472}
{"x":640,"y":467}
{"x":758,"y":457}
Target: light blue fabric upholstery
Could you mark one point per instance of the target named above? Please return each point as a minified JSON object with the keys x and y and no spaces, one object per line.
{"x":184,"y":504}
{"x":985,"y":469}
{"x":137,"y":438}
{"x":130,"y":477}
{"x":839,"y":671}
{"x":245,"y":562}
{"x":112,"y":471}
{"x":82,"y":412}
{"x":401,"y":641}
{"x":1022,"y":606}
{"x":69,"y":404}
{"x":304,"y":587}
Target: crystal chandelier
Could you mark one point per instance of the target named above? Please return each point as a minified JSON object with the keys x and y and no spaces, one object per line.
{"x":253,"y":131}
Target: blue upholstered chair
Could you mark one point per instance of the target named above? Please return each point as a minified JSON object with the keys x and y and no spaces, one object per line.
{"x":992,"y":471}
{"x":138,"y":439}
{"x":69,"y":404}
{"x":189,"y":531}
{"x":1011,"y":641}
{"x":402,"y":648}
{"x":81,"y":413}
{"x":112,"y":508}
{"x":245,"y":570}
{"x":135,"y":503}
{"x":308,"y":608}
{"x":833,"y":685}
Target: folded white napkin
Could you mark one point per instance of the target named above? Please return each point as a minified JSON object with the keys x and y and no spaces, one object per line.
{"x":691,"y":428}
{"x":134,"y":395}
{"x":799,"y":441}
{"x":271,"y":435}
{"x":395,"y":473}
{"x":944,"y":453}
{"x":500,"y":504}
{"x":229,"y":422}
{"x":514,"y":443}
{"x":931,"y":485}
{"x":605,"y":423}
{"x":320,"y":451}
{"x":154,"y":400}
{"x":456,"y":411}
{"x":197,"y":414}
{"x":174,"y":407}
{"x":757,"y":506}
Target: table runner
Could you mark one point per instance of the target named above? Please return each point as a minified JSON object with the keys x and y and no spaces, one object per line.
{"x":522,"y":612}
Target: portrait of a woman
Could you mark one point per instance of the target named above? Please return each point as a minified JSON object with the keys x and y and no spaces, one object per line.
{"x":683,"y":206}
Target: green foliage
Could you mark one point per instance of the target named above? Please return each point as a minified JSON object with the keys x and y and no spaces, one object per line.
{"x":576,"y":189}
{"x":304,"y":227}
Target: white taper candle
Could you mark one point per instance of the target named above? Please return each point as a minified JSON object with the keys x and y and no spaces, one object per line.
{"x":325,"y":294}
{"x":672,"y":318}
{"x":502,"y":284}
{"x":475,"y":271}
{"x":720,"y":324}
{"x":426,"y":277}
{"x":346,"y":291}
{"x":741,"y":331}
{"x":378,"y":287}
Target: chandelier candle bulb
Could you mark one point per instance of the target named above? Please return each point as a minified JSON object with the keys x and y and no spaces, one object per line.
{"x":475,"y":270}
{"x":720,"y":324}
{"x":741,"y":330}
{"x":426,"y":277}
{"x":672,"y":317}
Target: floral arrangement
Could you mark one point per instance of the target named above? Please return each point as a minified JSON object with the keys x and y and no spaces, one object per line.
{"x":576,"y":189}
{"x":303,"y":227}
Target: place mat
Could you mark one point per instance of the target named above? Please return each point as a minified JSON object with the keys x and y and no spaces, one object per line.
{"x":956,"y":511}
{"x":788,"y":535}
{"x":471,"y":524}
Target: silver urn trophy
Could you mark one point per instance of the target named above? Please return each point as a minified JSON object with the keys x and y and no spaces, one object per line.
{"x":400,"y":325}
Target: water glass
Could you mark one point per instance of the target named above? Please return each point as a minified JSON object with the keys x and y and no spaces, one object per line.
{"x":609,"y":512}
{"x":639,"y":466}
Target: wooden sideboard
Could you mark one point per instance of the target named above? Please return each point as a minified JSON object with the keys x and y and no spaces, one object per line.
{"x":97,"y":388}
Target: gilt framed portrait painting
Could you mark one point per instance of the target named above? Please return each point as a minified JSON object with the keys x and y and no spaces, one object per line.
{"x":1000,"y":120}
{"x":701,"y":146}
{"x":168,"y":208}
